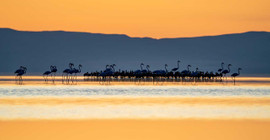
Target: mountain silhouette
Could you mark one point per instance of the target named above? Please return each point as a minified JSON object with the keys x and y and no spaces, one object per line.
{"x":38,"y":50}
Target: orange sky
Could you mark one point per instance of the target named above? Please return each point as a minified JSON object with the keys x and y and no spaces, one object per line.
{"x":140,"y":18}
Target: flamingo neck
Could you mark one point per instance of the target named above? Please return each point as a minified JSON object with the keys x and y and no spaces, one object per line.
{"x":222,"y":66}
{"x":238,"y":72}
{"x":166,"y":69}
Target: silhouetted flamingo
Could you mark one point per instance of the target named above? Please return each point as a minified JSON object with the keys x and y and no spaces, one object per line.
{"x":46,"y":74}
{"x":187,"y":71}
{"x":76,"y":71}
{"x":20,"y":72}
{"x":176,"y":69}
{"x":220,"y":70}
{"x":235,"y":75}
{"x":53,"y":72}
{"x":159,"y":74}
{"x":66,"y":72}
{"x":109,"y":71}
{"x":139,"y":71}
{"x":146,"y":70}
{"x":224,"y":72}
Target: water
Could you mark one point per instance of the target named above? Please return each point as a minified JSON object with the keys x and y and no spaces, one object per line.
{"x":134,"y":102}
{"x":137,"y":91}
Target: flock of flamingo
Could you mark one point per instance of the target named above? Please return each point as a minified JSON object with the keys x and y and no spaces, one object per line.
{"x":69,"y":75}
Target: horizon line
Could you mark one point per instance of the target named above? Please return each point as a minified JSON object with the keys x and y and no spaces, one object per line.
{"x":132,"y":36}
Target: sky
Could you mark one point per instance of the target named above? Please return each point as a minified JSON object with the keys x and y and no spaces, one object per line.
{"x":138,"y":18}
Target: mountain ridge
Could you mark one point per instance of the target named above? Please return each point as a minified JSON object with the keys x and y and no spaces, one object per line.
{"x":39,"y":50}
{"x":63,"y":31}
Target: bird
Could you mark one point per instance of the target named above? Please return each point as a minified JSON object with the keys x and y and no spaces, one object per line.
{"x":235,"y":75}
{"x":225,"y":72}
{"x":19,"y":72}
{"x":187,"y":71}
{"x":176,"y":69}
{"x":139,"y":71}
{"x":228,"y":70}
{"x":145,"y":71}
{"x":76,"y":71}
{"x":112,"y":67}
{"x":161,"y":72}
{"x":66,"y":72}
{"x":53,"y":72}
{"x":107,"y":73}
{"x":221,"y":69}
{"x":46,"y":74}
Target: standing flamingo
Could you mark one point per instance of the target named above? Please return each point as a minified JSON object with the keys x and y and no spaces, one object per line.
{"x":20,"y":72}
{"x":224,"y":72}
{"x":161,"y":72}
{"x":158,"y":74}
{"x":187,"y":71}
{"x":46,"y":74}
{"x":66,"y":73}
{"x":53,"y":72}
{"x":220,"y":70}
{"x":236,"y":74}
{"x":76,"y":71}
{"x":138,"y":72}
{"x":108,"y":72}
{"x":176,"y":69}
{"x":146,"y":70}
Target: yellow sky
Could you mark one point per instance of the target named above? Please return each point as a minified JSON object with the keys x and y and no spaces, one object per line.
{"x":138,"y":18}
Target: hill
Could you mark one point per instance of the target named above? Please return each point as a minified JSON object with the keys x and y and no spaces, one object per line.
{"x":38,"y":50}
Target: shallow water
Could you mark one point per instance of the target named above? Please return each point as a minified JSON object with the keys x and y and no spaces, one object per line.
{"x":134,"y":91}
{"x":137,"y":102}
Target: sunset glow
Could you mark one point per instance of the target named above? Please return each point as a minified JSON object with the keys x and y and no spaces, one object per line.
{"x":140,"y":18}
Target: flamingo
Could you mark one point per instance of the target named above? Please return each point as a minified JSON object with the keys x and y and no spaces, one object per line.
{"x":108,"y":71}
{"x":46,"y":74}
{"x":139,"y":71}
{"x":107,"y":68}
{"x":76,"y":71}
{"x":112,"y":67}
{"x":53,"y":72}
{"x":161,"y":72}
{"x":220,"y":70}
{"x":187,"y":71}
{"x":20,"y":72}
{"x":145,"y":71}
{"x":224,"y":72}
{"x":176,"y":69}
{"x":195,"y":73}
{"x":66,"y":72}
{"x":235,"y":75}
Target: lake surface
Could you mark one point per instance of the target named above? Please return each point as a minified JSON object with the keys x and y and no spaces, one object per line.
{"x":135,"y":102}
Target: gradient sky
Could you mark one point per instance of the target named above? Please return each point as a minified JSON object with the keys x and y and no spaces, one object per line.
{"x":138,"y":18}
